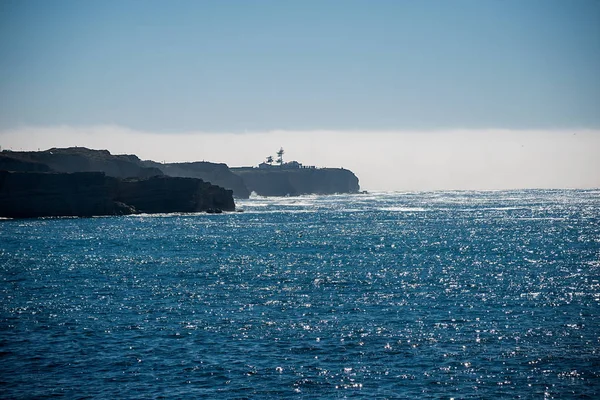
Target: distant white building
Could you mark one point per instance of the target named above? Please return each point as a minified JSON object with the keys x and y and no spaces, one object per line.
{"x":292,"y":165}
{"x":287,"y":165}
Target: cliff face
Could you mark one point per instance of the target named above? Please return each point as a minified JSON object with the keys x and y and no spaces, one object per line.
{"x":29,"y":194}
{"x":217,"y":174}
{"x":9,"y":163}
{"x":161,"y":194}
{"x":272,"y":181}
{"x":293,"y":182}
{"x":81,"y":159}
{"x":84,"y":194}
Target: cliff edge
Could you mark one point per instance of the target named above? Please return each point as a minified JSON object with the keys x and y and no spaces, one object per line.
{"x":276,"y":181}
{"x":215,"y":173}
{"x":77,"y":159}
{"x":81,"y":159}
{"x":284,"y":179}
{"x":85,"y":194}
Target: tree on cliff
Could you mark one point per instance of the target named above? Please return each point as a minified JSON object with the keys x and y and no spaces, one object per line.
{"x":280,"y":156}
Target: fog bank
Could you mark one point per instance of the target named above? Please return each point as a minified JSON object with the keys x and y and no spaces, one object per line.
{"x":383,"y":160}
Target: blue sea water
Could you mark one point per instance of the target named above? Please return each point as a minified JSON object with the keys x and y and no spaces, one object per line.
{"x":388,"y":295}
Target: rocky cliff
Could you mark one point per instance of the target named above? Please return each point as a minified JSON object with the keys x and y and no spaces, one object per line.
{"x":270,"y":181}
{"x":11,"y":163}
{"x":217,"y":174}
{"x":293,"y":182}
{"x":163,"y":194}
{"x":80,"y":159}
{"x":30,"y":194}
{"x":84,"y":194}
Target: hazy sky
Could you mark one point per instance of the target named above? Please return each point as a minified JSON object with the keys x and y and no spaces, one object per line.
{"x":359,"y":82}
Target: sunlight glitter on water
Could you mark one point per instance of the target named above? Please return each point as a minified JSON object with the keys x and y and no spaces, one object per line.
{"x":485,"y":295}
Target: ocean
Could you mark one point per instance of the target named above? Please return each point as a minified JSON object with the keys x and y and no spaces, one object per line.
{"x":426,"y":295}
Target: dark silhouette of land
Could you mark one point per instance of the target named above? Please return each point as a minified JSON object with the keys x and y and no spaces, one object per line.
{"x":78,"y":181}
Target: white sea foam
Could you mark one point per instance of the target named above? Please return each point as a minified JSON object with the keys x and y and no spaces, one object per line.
{"x":403,"y":209}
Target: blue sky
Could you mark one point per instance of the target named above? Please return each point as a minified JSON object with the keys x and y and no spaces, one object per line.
{"x":410,"y":95}
{"x":235,"y":66}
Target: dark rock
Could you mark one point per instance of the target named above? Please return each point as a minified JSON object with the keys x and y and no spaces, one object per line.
{"x":81,"y":159}
{"x":9,"y":163}
{"x":271,"y":181}
{"x":162,"y":194}
{"x":294,"y":182}
{"x":217,"y":174}
{"x":31,"y":194}
{"x":84,"y":194}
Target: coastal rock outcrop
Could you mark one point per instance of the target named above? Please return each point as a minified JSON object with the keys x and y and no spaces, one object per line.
{"x":293,"y":182}
{"x":32,"y":194}
{"x":163,"y":194}
{"x":81,"y":159}
{"x":9,"y":163}
{"x":215,"y":173}
{"x":285,"y":179}
{"x":84,"y":194}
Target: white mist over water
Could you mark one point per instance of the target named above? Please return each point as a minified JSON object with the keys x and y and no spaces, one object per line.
{"x":382,"y":160}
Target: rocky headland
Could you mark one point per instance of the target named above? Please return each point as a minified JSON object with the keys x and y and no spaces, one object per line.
{"x":78,"y":181}
{"x":81,"y":159}
{"x":276,"y":181}
{"x":217,"y":174}
{"x":85,"y":194}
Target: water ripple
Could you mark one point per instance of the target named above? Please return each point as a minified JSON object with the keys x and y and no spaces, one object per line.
{"x":385,"y":295}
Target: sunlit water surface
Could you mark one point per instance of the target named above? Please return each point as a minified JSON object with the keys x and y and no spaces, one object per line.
{"x":387,"y":295}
